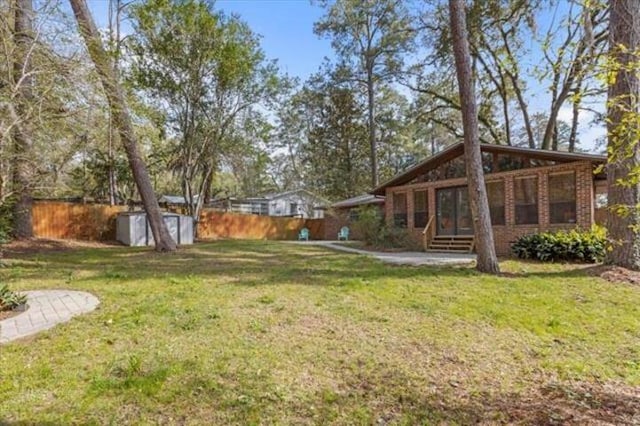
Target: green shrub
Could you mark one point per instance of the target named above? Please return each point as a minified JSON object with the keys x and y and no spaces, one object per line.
{"x":394,"y":237}
{"x":368,"y":225}
{"x":575,"y":245}
{"x":10,"y":299}
{"x":374,"y":232}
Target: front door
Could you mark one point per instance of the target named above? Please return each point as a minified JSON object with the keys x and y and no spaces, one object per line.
{"x":453,"y":215}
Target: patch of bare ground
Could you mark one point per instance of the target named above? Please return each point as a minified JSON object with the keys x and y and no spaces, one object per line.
{"x":8,"y":314}
{"x":572,"y":403}
{"x":616,"y":274}
{"x":41,"y":245}
{"x":394,"y":374}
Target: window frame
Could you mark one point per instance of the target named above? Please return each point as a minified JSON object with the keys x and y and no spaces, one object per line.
{"x":421,"y":223}
{"x":503,"y":221}
{"x":400,"y":217}
{"x":552,"y":218}
{"x":537,"y":200}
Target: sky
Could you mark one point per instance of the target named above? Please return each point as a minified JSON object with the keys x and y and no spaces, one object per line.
{"x":286,"y":28}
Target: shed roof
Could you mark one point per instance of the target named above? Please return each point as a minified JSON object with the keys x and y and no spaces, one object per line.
{"x":457,"y":150}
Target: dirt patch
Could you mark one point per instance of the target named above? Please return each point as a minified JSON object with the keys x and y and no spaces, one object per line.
{"x":576,"y":403}
{"x":40,"y":245}
{"x":616,"y":274}
{"x":11,"y":313}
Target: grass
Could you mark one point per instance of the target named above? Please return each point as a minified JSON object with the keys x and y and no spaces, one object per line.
{"x":266,"y":332}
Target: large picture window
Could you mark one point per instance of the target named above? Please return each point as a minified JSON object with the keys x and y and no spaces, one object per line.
{"x":526,"y":200}
{"x":420,"y":211}
{"x":495,"y":194}
{"x":400,"y":210}
{"x":562,"y":198}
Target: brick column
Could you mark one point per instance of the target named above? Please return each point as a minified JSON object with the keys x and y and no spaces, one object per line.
{"x":410,"y":209}
{"x":509,"y":202}
{"x":388,"y":207}
{"x":543,"y":200}
{"x":585,"y":197}
{"x":431,"y":206}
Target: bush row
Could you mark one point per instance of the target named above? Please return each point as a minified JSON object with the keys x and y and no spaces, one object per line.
{"x":575,"y":245}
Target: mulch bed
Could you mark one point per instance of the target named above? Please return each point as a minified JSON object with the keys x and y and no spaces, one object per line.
{"x":8,"y":314}
{"x":616,"y":274}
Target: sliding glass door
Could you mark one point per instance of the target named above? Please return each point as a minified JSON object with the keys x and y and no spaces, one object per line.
{"x":453,"y":214}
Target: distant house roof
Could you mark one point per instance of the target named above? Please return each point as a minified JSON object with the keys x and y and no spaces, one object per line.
{"x":458,"y":149}
{"x":274,"y":195}
{"x":360,"y":200}
{"x":174,"y":199}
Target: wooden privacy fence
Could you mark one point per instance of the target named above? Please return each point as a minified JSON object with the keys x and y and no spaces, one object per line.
{"x":54,"y":219}
{"x":215,"y":224}
{"x":97,"y":222}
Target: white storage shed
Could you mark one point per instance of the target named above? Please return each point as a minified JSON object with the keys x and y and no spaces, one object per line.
{"x":132,"y":228}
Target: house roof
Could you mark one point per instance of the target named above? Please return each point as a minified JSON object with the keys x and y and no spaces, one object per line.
{"x":457,"y":150}
{"x":275,"y":195}
{"x":360,"y":200}
{"x":174,"y":199}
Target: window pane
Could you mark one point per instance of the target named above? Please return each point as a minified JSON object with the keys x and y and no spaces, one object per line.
{"x":526,"y":200}
{"x":420,"y":209}
{"x":495,"y":194}
{"x":400,"y":210}
{"x":562,"y":198}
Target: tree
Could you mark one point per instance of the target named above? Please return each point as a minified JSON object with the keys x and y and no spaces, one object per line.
{"x":504,"y":36}
{"x":209,"y":82}
{"x":371,"y":39}
{"x":122,"y":118}
{"x":623,"y":125}
{"x":23,"y":142}
{"x":322,"y":137}
{"x":487,"y":260}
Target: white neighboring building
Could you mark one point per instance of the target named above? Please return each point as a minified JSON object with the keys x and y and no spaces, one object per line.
{"x":297,"y":203}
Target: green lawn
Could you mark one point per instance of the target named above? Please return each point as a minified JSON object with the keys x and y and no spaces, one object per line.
{"x":267,"y":332}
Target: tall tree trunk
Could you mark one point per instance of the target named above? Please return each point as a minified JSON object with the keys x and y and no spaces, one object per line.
{"x":623,"y":103}
{"x":372,"y":128}
{"x":115,"y":10}
{"x":22,"y":182}
{"x":487,"y":260}
{"x":123,"y":122}
{"x":575,"y":111}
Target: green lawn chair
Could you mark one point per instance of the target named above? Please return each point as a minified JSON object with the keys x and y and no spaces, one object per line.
{"x":303,"y":235}
{"x":343,"y":234}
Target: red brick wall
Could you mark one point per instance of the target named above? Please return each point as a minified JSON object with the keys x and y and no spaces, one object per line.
{"x":504,"y":235}
{"x":333,"y":221}
{"x":337,"y":218}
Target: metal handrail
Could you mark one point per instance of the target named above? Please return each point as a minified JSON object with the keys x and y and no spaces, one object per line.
{"x":425,"y":233}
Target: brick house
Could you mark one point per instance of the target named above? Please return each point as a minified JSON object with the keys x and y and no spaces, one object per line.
{"x":529,"y":190}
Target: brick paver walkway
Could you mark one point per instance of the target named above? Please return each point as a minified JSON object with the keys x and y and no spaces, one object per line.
{"x":46,"y":308}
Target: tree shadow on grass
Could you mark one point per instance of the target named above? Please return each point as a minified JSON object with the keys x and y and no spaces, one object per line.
{"x":254,"y":263}
{"x":543,"y":404}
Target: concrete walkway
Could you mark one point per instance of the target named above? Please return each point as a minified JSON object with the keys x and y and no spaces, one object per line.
{"x":46,"y":308}
{"x":414,"y":258}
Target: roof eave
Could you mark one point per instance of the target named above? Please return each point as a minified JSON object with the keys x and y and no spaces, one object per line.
{"x":403,"y":177}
